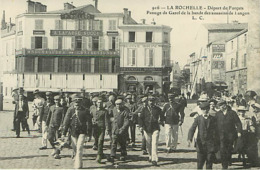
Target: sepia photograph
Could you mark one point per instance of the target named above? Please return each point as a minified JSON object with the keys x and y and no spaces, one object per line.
{"x":120,"y":84}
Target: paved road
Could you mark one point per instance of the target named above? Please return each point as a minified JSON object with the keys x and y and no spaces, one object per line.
{"x":24,"y":153}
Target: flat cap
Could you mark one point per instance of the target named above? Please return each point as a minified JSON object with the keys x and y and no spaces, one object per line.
{"x":222,"y":102}
{"x":204,"y":105}
{"x":48,"y":93}
{"x":151,"y":97}
{"x":57,"y":97}
{"x":36,"y":91}
{"x":128,"y":97}
{"x":118,"y":101}
{"x":76,"y":96}
{"x":144,"y":99}
{"x":94,"y":99}
{"x":241,"y":108}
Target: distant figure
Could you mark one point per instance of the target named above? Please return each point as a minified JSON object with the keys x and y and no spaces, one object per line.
{"x":241,"y":101}
{"x":188,"y":95}
{"x":37,"y":106}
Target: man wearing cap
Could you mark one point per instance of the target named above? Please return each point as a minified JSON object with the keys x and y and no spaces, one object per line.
{"x":37,"y":106}
{"x":207,"y":134}
{"x":110,"y":105}
{"x":256,"y":123}
{"x":78,"y":119}
{"x":120,"y":123}
{"x":54,"y":123}
{"x":132,"y":117}
{"x":85,"y":100}
{"x":150,"y":119}
{"x":171,"y":112}
{"x":93,"y":109}
{"x":43,"y":117}
{"x":99,"y":116}
{"x":21,"y":114}
{"x":229,"y":128}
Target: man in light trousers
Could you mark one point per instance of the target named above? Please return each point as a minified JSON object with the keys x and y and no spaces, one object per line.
{"x":78,"y":119}
{"x":150,"y":123}
{"x":171,"y":112}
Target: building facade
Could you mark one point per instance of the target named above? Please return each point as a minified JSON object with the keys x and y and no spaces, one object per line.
{"x":145,"y":58}
{"x":81,"y":48}
{"x":236,"y":62}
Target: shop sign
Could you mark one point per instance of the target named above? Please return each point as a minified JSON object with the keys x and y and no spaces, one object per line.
{"x":218,"y":48}
{"x":141,"y":45}
{"x":75,"y":33}
{"x":217,"y":56}
{"x":37,"y":32}
{"x":67,"y":52}
{"x":77,"y":14}
{"x":142,"y":69}
{"x":112,"y":33}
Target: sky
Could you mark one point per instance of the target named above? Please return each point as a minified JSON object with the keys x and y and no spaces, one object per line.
{"x":184,"y":28}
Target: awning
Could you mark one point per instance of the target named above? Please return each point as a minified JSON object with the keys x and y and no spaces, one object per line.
{"x":131,"y":81}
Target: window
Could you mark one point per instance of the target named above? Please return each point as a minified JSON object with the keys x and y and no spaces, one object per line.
{"x":231,"y":62}
{"x":78,"y":43}
{"x":98,"y":25}
{"x":39,"y":24}
{"x":236,"y":60}
{"x":245,"y":39}
{"x":149,"y":57}
{"x":165,"y":58}
{"x":95,"y":43}
{"x":131,"y":57}
{"x":131,"y":36}
{"x":20,"y":26}
{"x":166,"y":37}
{"x":232,"y":45}
{"x":29,"y":64}
{"x":58,"y":25}
{"x":86,"y":65}
{"x":131,"y":78}
{"x":59,"y":43}
{"x":149,"y":36}
{"x":112,"y":25}
{"x":148,"y":78}
{"x":7,"y":49}
{"x":112,"y":43}
{"x":45,"y":64}
{"x":101,"y":65}
{"x":38,"y":42}
{"x":77,"y":65}
{"x":244,"y":60}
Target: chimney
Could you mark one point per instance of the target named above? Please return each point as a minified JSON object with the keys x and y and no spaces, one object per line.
{"x":10,"y":21}
{"x":96,"y":4}
{"x":125,"y":16}
{"x":153,"y":22}
{"x":3,"y":23}
{"x":44,"y":8}
{"x":68,"y":6}
{"x":30,"y":6}
{"x":143,"y":21}
{"x":129,"y":14}
{"x":37,"y":7}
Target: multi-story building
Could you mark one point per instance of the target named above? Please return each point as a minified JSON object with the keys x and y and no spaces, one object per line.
{"x":236,"y":62}
{"x":80,"y":48}
{"x":208,"y":62}
{"x":145,"y":58}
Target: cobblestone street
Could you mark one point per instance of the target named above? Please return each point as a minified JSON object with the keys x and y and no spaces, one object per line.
{"x":24,"y":153}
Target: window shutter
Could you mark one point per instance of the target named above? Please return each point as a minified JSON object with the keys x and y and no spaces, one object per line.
{"x":57,"y":23}
{"x":61,"y":24}
{"x":84,"y":43}
{"x":151,"y":57}
{"x":110,"y":25}
{"x":44,"y":42}
{"x":129,"y":56}
{"x":32,"y":42}
{"x":84,"y":25}
{"x":133,"y":57}
{"x":101,"y":25}
{"x":55,"y":42}
{"x":117,"y":43}
{"x":101,"y":43}
{"x":147,"y":57}
{"x":90,"y":43}
{"x":109,"y":42}
{"x":76,"y":25}
{"x":90,"y":25}
{"x":72,"y":43}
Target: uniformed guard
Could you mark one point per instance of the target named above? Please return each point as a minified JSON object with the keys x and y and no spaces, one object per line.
{"x":150,"y":119}
{"x":54,"y":123}
{"x":43,"y":117}
{"x":78,"y":119}
{"x":120,"y":123}
{"x":99,"y":116}
{"x":173,"y":120}
{"x":132,"y":106}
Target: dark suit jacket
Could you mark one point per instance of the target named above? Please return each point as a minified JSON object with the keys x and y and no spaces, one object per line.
{"x":25,"y":108}
{"x":171,"y":113}
{"x":120,"y":121}
{"x":228,"y":126}
{"x":81,"y":124}
{"x":149,"y":119}
{"x":207,"y":131}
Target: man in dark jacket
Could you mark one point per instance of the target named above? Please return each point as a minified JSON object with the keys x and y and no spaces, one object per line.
{"x":229,"y":128}
{"x":150,"y":123}
{"x":78,"y":119}
{"x":99,"y":116}
{"x":207,"y":131}
{"x":43,"y":117}
{"x":120,"y":124}
{"x":21,"y":114}
{"x":54,"y":123}
{"x":171,"y":112}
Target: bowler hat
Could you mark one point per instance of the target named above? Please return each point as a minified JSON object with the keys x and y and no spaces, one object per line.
{"x":128,"y":97}
{"x":36,"y":91}
{"x":222,"y":102}
{"x":94,"y":99}
{"x":118,"y":101}
{"x":75,"y":96}
{"x":48,"y":93}
{"x":57,"y":97}
{"x":204,"y":105}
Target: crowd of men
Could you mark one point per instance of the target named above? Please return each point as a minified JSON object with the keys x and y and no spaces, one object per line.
{"x":70,"y":120}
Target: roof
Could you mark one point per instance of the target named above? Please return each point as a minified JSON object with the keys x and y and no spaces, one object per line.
{"x":87,"y":8}
{"x":5,"y":32}
{"x":142,"y":26}
{"x":225,"y":26}
{"x":236,"y":35}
